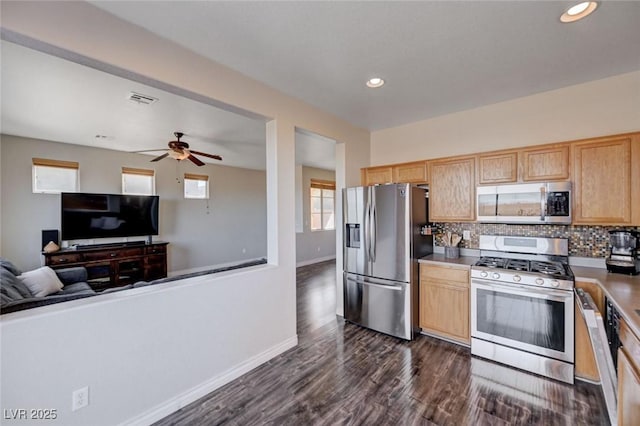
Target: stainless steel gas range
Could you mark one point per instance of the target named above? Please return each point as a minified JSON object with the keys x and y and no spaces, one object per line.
{"x":522,"y":305}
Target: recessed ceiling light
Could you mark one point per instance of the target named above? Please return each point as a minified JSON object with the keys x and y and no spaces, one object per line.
{"x":579,"y":11}
{"x":375,"y":82}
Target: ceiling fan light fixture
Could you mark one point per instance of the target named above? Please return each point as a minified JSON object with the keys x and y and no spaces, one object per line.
{"x":375,"y":82}
{"x":579,"y":11}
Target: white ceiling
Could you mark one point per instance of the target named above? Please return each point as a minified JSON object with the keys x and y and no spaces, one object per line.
{"x":437,"y":57}
{"x":49,"y":98}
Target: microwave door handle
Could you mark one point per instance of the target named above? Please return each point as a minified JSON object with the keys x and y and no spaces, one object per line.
{"x":543,"y":203}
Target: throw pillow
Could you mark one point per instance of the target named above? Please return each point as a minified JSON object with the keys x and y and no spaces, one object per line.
{"x":42,"y":281}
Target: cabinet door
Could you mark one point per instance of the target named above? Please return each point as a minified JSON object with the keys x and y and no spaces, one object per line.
{"x":444,"y":309}
{"x":595,"y":291}
{"x":603,"y":184}
{"x":497,"y":168}
{"x":410,"y":172}
{"x":628,"y":390}
{"x":452,"y":190}
{"x":376,"y":175}
{"x":551,"y":163}
{"x":586,"y":366}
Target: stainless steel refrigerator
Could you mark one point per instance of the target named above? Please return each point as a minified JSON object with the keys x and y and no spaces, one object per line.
{"x":382,"y":245}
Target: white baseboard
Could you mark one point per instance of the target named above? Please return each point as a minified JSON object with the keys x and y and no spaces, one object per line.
{"x":316,"y":260}
{"x":197,"y":392}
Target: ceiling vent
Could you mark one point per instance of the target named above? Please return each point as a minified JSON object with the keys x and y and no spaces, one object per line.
{"x":142,"y":99}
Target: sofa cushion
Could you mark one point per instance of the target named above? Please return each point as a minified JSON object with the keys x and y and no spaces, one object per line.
{"x":75,"y":288}
{"x":42,"y":281}
{"x":9,"y":266}
{"x":72,"y":275}
{"x":11,"y":288}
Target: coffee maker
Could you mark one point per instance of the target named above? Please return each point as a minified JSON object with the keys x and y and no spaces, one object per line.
{"x":624,"y":255}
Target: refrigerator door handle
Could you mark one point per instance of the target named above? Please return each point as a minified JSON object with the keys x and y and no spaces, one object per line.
{"x":373,"y":227}
{"x":367,"y":224}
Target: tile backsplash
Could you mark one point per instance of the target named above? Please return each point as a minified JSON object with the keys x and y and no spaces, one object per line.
{"x":584,"y":241}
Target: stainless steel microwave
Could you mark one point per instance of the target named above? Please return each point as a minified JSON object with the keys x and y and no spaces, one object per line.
{"x":528,"y":203}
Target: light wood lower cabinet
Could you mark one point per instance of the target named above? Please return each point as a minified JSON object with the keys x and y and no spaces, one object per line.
{"x":628,"y":378}
{"x":444,"y":301}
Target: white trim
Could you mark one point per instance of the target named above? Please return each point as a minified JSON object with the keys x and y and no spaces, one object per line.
{"x":316,"y":260}
{"x":174,"y":404}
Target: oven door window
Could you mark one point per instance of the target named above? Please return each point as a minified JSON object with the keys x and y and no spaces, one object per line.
{"x":534,"y":321}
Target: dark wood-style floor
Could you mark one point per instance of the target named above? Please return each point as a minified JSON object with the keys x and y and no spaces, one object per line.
{"x":342,"y":374}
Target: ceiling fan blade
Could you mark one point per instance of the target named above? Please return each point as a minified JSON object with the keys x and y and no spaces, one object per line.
{"x":195,"y":161}
{"x":204,"y":154}
{"x":148,"y":150}
{"x":166,"y":154}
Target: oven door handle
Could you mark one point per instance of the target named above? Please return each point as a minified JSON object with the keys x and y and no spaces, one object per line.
{"x":518,"y":289}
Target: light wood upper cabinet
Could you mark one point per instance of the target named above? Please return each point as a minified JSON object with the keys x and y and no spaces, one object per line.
{"x":497,"y":168}
{"x":376,"y":175}
{"x":444,"y":301}
{"x":415,"y":172}
{"x":606,"y":186}
{"x":548,"y":163}
{"x":452,"y":190}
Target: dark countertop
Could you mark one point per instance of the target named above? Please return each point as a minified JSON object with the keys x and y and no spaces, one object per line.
{"x":622,"y":290}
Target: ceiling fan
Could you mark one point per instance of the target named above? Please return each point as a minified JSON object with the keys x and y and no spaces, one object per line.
{"x":180,"y":151}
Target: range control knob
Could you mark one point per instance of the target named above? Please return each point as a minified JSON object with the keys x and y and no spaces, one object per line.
{"x":517,"y":278}
{"x":484,"y":274}
{"x":554,"y":283}
{"x":539,"y":281}
{"x":495,"y":275}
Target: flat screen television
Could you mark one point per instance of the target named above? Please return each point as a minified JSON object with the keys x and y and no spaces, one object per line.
{"x":87,"y":216}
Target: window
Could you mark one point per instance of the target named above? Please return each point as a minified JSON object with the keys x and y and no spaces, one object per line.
{"x":54,"y":176}
{"x":138,"y":181}
{"x":322,"y":204}
{"x":196,"y":186}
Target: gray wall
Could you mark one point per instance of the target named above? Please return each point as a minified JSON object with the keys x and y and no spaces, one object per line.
{"x":233,"y":228}
{"x":313,"y":246}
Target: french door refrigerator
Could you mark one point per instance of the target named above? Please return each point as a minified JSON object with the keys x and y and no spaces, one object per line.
{"x":382,"y":245}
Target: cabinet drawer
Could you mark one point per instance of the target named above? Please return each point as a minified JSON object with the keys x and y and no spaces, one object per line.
{"x":62,"y":259}
{"x":460,"y":275}
{"x":114,"y":254}
{"x":156,"y":259}
{"x":630,"y":342}
{"x":156,"y":249}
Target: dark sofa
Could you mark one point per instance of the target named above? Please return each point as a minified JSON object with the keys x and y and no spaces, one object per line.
{"x":15,"y":296}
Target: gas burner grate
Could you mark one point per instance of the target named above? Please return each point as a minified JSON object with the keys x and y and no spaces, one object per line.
{"x":518,"y":265}
{"x":548,"y":268}
{"x":492,"y":262}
